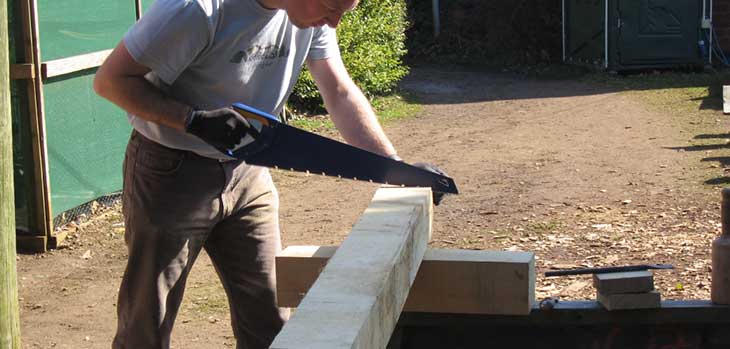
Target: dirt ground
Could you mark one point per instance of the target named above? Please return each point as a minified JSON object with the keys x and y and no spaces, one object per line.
{"x":577,"y":170}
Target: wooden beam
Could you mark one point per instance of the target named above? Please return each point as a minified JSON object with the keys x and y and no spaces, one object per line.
{"x":448,"y":281}
{"x":74,"y":64}
{"x":356,"y":301}
{"x":9,"y":311}
{"x":22,"y":71}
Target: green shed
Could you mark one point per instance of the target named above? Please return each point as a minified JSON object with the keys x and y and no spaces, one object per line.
{"x":637,"y":34}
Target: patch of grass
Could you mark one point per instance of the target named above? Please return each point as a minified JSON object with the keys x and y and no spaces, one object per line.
{"x":680,"y":93}
{"x":388,"y":108}
{"x":659,"y":79}
{"x":395,"y":107}
{"x":543,"y":227}
{"x":692,"y":102}
{"x":313,"y":123}
{"x":207,"y":299}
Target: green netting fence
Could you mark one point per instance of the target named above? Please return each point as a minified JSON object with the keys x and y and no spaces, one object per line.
{"x":85,"y":134}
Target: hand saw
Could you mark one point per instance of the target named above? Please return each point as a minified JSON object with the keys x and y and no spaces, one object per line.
{"x":273,"y":144}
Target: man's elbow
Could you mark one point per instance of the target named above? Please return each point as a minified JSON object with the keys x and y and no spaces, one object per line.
{"x":103,"y":84}
{"x":100,"y":85}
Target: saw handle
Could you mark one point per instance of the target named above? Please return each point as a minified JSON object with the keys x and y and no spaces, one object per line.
{"x":261,"y":134}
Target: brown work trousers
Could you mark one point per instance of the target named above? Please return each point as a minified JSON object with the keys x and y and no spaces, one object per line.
{"x":175,"y":203}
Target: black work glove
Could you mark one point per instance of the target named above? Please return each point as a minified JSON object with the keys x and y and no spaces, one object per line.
{"x":222,"y":128}
{"x":437,"y":196}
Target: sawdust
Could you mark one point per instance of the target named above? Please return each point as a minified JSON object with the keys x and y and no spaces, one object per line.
{"x":577,"y":172}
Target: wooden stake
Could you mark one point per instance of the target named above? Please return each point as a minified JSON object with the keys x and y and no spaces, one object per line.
{"x":9,"y":316}
{"x":41,"y":181}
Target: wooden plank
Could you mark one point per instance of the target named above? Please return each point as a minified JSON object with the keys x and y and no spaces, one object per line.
{"x":448,"y":281}
{"x":626,"y":282}
{"x":726,"y":99}
{"x":9,"y":311}
{"x":356,"y":301}
{"x":21,"y":71}
{"x":36,"y":116}
{"x":73,"y":64}
{"x":624,"y":301}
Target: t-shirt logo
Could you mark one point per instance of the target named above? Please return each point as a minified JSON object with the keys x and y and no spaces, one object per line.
{"x":258,"y":53}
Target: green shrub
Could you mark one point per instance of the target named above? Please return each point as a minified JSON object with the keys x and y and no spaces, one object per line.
{"x":372,"y":42}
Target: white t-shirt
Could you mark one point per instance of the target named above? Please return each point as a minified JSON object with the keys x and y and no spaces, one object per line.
{"x":213,"y":53}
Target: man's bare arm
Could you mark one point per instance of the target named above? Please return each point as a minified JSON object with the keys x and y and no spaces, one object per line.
{"x":349,"y":108}
{"x":121,"y":80}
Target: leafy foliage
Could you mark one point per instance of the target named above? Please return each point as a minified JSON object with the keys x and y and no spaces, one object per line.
{"x":372,"y":44}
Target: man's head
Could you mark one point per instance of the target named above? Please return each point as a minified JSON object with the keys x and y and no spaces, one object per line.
{"x":314,"y":13}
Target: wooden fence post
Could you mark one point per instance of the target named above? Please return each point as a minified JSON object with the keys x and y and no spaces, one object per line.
{"x":9,"y":316}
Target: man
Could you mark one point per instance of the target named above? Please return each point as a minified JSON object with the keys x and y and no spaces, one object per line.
{"x":176,"y":72}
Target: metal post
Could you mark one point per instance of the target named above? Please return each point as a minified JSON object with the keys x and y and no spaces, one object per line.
{"x":138,"y":8}
{"x":436,"y":19}
{"x":9,"y":316}
{"x":605,"y":43}
{"x":712,"y":32}
{"x":562,"y":22}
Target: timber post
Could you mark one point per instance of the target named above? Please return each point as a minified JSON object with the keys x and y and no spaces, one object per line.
{"x":9,"y":316}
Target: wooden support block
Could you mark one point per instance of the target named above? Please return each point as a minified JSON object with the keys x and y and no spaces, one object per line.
{"x":623,"y":301}
{"x":625,"y":282}
{"x":726,"y":99}
{"x":56,"y":239}
{"x":31,"y":243}
{"x":297,"y":267}
{"x":448,"y":281}
{"x":358,"y":297}
{"x":475,"y":282}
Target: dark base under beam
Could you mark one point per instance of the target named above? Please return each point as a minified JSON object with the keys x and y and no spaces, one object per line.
{"x":579,"y":325}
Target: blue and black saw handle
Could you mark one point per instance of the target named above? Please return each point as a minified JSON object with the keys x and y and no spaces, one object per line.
{"x":277,"y":145}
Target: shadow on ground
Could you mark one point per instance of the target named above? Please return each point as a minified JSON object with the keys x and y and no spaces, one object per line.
{"x":721,"y":141}
{"x":462,"y":88}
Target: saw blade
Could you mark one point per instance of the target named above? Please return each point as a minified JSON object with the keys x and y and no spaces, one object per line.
{"x":299,"y":150}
